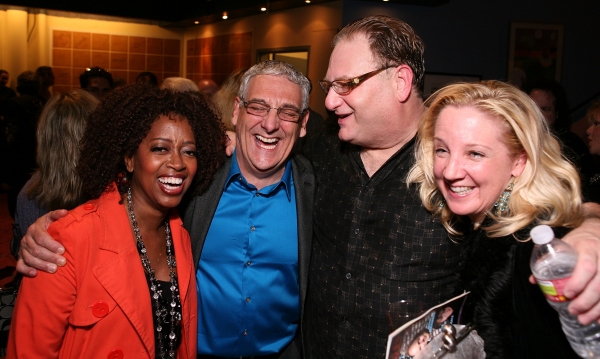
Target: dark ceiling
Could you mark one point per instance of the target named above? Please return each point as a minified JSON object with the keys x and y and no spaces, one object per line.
{"x":181,"y":13}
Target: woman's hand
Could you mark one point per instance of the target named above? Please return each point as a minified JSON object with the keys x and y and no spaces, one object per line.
{"x":38,"y":250}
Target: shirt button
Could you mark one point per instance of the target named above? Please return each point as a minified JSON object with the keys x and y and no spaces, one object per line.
{"x":115,"y":354}
{"x":348,"y":275}
{"x":99,"y":309}
{"x":245,"y":332}
{"x":257,"y":194}
{"x":248,"y":300}
{"x":252,"y":228}
{"x":356,"y":231}
{"x":248,"y":263}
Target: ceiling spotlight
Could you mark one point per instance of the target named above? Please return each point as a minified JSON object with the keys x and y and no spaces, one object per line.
{"x":225,"y":15}
{"x":263,"y":9}
{"x":196,"y":22}
{"x":307,"y":1}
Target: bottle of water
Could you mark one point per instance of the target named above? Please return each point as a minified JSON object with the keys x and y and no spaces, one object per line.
{"x":552,"y":262}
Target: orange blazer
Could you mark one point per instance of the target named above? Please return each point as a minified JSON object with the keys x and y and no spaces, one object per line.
{"x":98,"y":304}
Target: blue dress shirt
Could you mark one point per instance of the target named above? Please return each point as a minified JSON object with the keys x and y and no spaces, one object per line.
{"x":248,"y":289}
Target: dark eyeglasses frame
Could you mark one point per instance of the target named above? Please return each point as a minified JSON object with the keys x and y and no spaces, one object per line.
{"x":279,"y":109}
{"x":352,"y":83}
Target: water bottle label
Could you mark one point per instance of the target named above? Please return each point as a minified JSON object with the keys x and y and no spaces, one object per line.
{"x":553,"y":289}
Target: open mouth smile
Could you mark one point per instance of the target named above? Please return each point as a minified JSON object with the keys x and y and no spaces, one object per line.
{"x":461,"y":190}
{"x":171,"y":183}
{"x":266,"y":143}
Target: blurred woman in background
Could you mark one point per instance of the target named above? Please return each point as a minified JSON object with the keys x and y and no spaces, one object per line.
{"x":56,"y":183}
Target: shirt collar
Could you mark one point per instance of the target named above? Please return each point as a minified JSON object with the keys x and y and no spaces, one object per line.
{"x":286,"y":179}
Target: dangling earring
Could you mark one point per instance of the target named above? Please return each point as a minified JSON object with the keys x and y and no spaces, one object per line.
{"x":502,"y":203}
{"x":123,"y":181}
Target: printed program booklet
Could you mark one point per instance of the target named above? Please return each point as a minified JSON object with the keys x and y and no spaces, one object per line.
{"x":412,"y":337}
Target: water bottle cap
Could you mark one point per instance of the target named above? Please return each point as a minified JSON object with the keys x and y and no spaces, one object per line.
{"x":542,"y":234}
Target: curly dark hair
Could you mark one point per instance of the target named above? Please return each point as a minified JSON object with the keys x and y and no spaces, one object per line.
{"x":119,"y":124}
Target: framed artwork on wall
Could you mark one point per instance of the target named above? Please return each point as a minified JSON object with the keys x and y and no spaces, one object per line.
{"x":435,"y":81}
{"x":534,"y":52}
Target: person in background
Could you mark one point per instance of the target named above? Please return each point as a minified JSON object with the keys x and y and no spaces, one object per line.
{"x":96,"y":81}
{"x":207,"y":87}
{"x":56,"y":183}
{"x":224,"y":98}
{"x":6,"y":93}
{"x":179,"y":84}
{"x":47,"y":80}
{"x":551,"y":98}
{"x":21,"y":117}
{"x":147,"y":77}
{"x":593,"y":132}
{"x":129,"y":290}
{"x":489,"y":168}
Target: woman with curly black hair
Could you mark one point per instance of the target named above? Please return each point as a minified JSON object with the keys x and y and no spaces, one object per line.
{"x":128,"y":288}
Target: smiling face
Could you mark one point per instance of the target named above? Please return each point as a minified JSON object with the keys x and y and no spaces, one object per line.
{"x":164,"y":165}
{"x":265,"y":143}
{"x":472,"y":164}
{"x":365,"y":115}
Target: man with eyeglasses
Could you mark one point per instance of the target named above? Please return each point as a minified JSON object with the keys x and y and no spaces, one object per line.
{"x":256,"y":218}
{"x":251,"y":231}
{"x":375,"y":246}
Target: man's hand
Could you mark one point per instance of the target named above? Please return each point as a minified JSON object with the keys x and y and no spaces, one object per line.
{"x":584,"y":285}
{"x":231,"y":143}
{"x":38,"y":250}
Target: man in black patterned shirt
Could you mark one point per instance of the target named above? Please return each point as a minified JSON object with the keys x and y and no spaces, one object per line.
{"x":374,"y":244}
{"x":378,"y":256}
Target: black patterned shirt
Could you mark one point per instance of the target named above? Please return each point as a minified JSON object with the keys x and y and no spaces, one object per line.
{"x":378,"y":256}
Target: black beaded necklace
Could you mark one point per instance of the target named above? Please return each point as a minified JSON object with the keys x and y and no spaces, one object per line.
{"x":162,"y":316}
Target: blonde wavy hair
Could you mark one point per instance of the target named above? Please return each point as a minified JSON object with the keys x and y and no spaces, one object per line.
{"x":224,"y":98}
{"x":547,"y":192}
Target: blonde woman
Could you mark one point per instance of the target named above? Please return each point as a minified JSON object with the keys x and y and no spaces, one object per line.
{"x":486,"y":167}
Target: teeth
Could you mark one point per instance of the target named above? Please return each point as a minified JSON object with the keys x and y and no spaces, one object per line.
{"x":171,"y":180}
{"x":267,"y":140}
{"x":461,"y":190}
{"x":263,"y":140}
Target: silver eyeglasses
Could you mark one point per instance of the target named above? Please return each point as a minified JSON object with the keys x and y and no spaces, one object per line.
{"x":285,"y":113}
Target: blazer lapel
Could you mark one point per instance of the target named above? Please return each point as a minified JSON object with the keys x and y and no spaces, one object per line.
{"x":304,"y":181}
{"x":199,"y":213}
{"x":123,"y":279}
